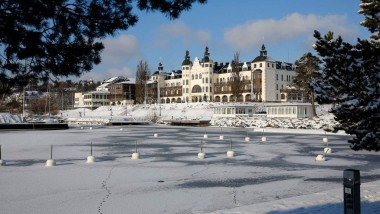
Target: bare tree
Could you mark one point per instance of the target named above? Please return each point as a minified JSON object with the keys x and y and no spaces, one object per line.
{"x":236,"y":83}
{"x":142,"y":74}
{"x":307,"y":66}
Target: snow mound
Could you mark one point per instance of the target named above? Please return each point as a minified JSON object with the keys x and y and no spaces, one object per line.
{"x":193,"y":111}
{"x":10,"y":118}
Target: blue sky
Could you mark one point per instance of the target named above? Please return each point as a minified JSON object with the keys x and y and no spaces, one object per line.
{"x":226,"y":27}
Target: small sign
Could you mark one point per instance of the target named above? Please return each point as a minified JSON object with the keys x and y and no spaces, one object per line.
{"x":347,"y":190}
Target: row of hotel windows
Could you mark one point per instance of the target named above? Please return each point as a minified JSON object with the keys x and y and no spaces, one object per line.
{"x":205,"y":80}
{"x":288,"y":77}
{"x":96,"y":103}
{"x":203,"y":65}
{"x":198,"y":89}
{"x":287,"y":110}
{"x":173,"y":84}
{"x":232,"y":110}
{"x":261,"y":65}
{"x":96,"y":96}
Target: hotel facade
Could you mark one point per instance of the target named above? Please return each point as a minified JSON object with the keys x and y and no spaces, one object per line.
{"x":263,"y":79}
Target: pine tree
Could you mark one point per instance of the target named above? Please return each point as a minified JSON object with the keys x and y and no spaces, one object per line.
{"x":350,"y":78}
{"x":42,"y":39}
{"x":306,"y":69}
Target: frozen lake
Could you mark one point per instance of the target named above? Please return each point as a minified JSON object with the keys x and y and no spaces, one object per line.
{"x":278,"y":176}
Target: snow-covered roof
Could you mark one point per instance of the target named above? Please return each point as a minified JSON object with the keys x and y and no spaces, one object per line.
{"x":287,"y":104}
{"x":235,"y":105}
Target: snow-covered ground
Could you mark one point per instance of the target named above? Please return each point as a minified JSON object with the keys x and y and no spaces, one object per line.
{"x":278,"y":176}
{"x":10,"y":118}
{"x":202,"y":111}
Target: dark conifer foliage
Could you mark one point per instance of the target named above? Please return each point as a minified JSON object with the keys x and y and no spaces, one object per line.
{"x":351,"y":79}
{"x":41,"y":39}
{"x":306,"y":70}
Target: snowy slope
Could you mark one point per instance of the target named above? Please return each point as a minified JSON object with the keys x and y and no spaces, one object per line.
{"x":190,"y":111}
{"x":157,"y":113}
{"x":10,"y":118}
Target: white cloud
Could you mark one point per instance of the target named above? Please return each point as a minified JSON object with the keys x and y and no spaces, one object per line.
{"x":120,"y":49}
{"x":124,"y":71}
{"x":252,"y":34}
{"x":178,"y":30}
{"x":98,"y":75}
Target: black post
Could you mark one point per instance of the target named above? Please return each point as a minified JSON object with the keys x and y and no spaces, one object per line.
{"x":351,"y":191}
{"x":230,"y":144}
{"x":91,"y":149}
{"x":0,"y":152}
{"x":51,"y":151}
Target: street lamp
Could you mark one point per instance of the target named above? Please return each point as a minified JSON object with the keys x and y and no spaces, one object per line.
{"x":23,"y":103}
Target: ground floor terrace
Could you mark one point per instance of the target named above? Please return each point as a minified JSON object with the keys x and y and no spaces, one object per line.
{"x":245,"y":97}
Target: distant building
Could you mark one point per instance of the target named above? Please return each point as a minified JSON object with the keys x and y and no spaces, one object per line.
{"x":114,"y":91}
{"x":264,"y":80}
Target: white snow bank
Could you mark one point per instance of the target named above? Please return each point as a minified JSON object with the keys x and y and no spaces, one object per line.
{"x":10,"y":118}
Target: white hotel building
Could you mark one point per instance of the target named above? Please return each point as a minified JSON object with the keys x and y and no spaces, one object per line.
{"x":264,"y":79}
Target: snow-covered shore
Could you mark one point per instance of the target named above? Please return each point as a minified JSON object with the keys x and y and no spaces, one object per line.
{"x":10,"y":118}
{"x":190,"y":111}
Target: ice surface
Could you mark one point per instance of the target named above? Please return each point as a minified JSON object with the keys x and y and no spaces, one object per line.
{"x":278,"y":176}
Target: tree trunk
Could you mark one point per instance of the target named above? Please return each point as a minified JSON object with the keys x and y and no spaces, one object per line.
{"x":313,"y":104}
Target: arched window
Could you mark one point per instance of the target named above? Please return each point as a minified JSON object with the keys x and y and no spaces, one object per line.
{"x":192,"y":76}
{"x":206,"y":79}
{"x":196,"y":76}
{"x":200,"y":76}
{"x":196,"y":89}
